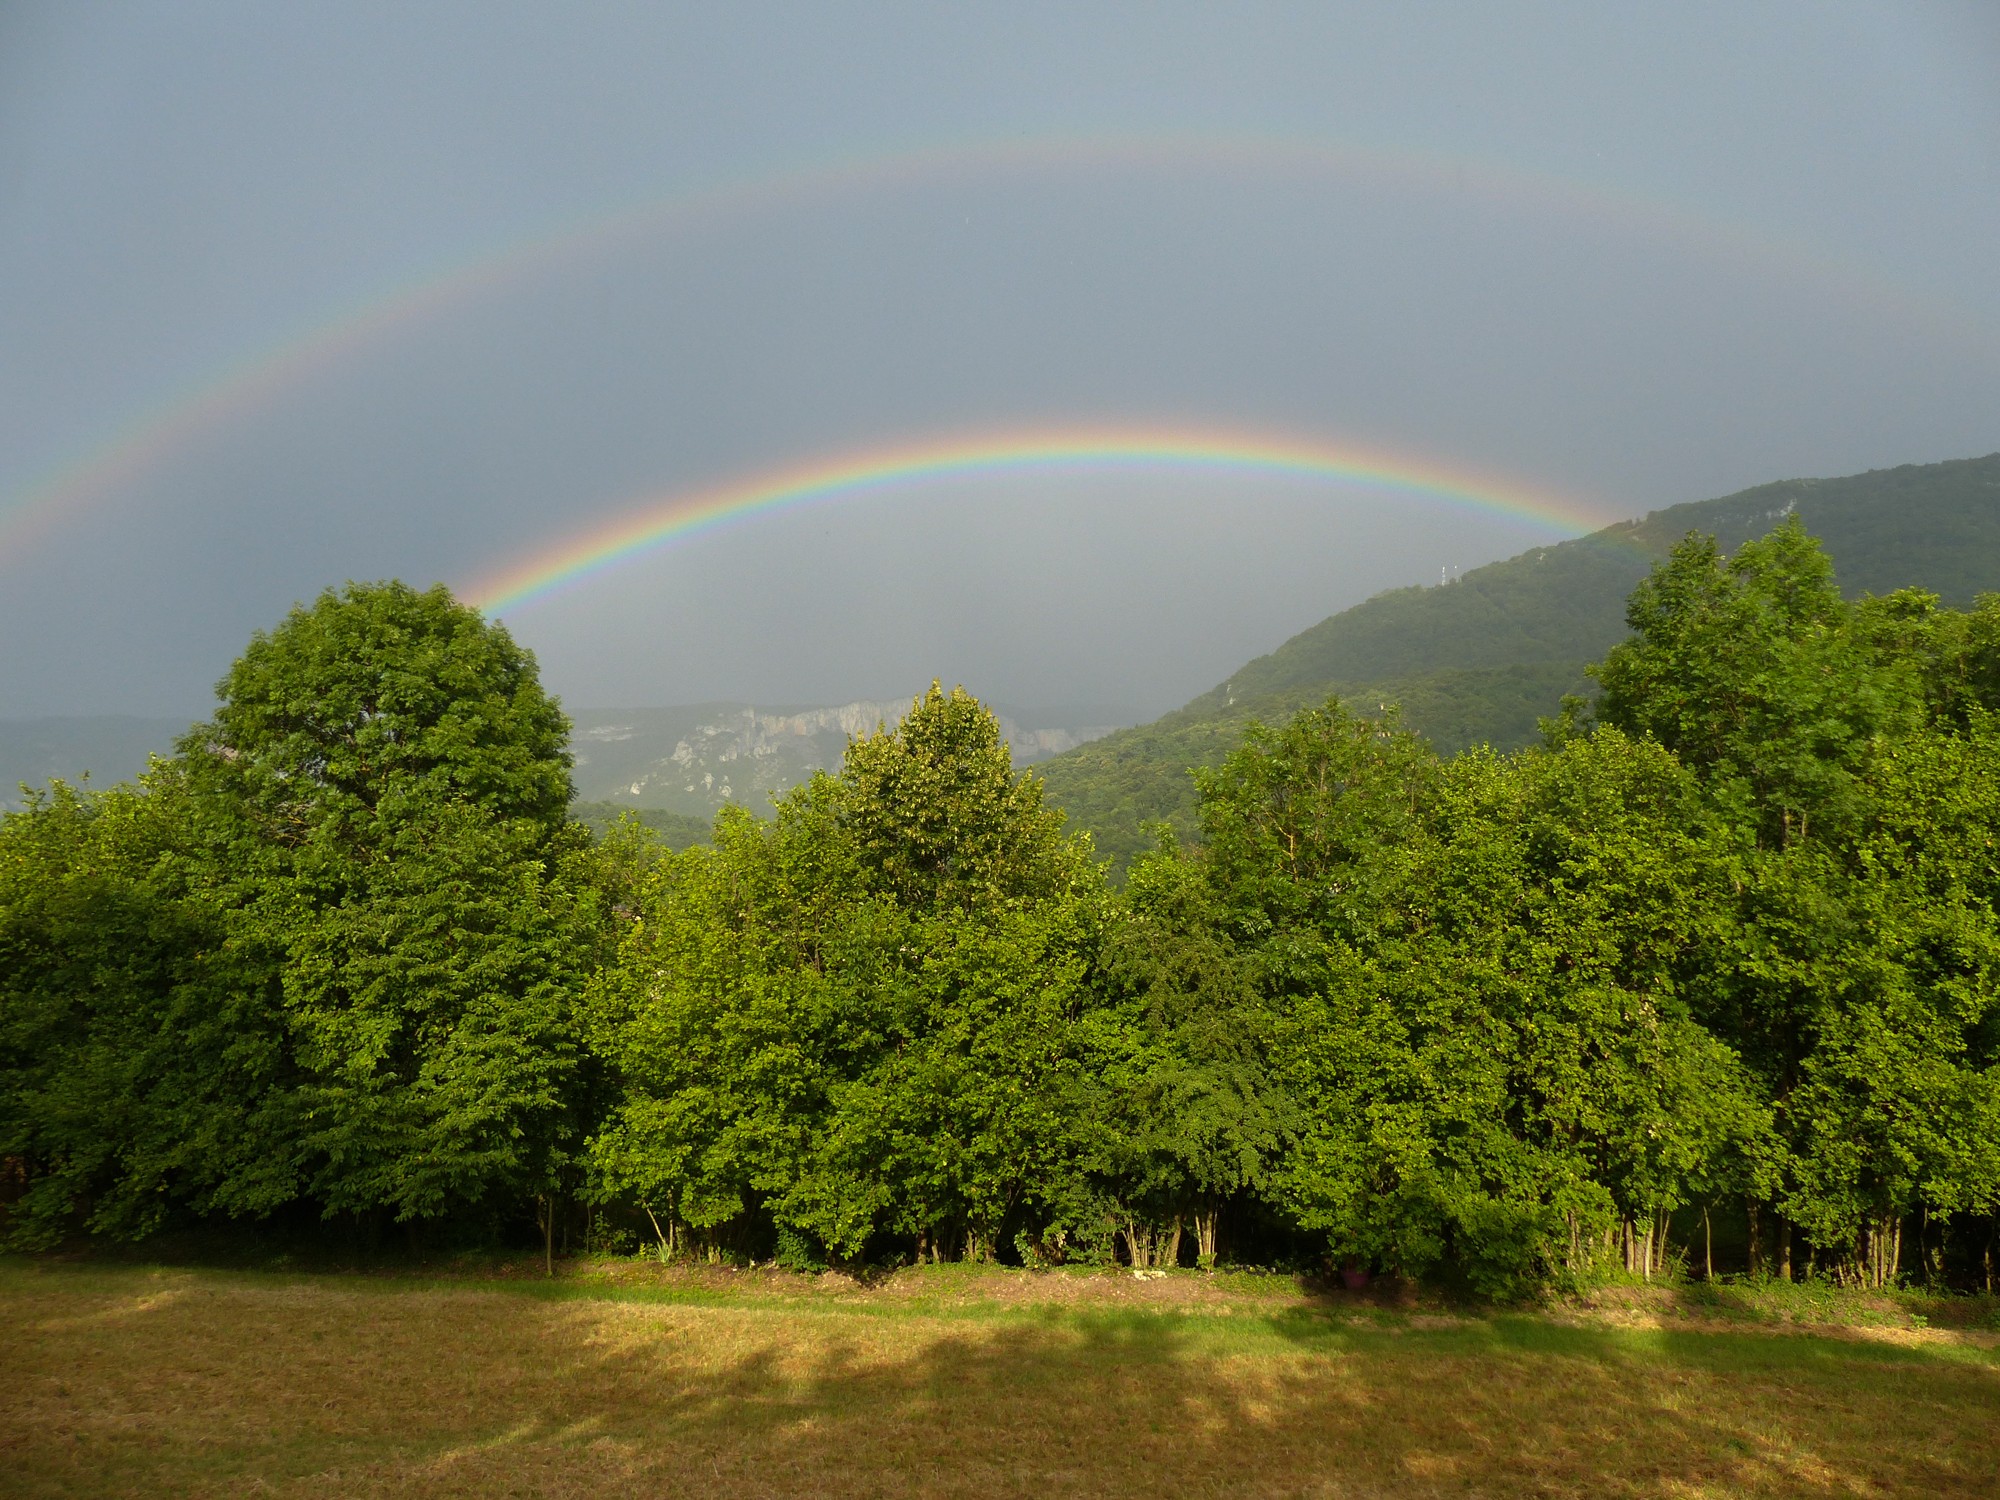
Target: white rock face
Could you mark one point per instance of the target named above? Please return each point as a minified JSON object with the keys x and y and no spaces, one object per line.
{"x":695,"y":759}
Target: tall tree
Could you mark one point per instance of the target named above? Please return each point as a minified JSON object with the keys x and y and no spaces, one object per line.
{"x":1846,"y":747}
{"x":1194,"y":1120}
{"x":1750,"y":669}
{"x":856,"y":1018}
{"x":141,"y":1075}
{"x":379,"y":806}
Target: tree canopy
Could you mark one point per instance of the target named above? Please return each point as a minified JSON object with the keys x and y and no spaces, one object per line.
{"x":1723,"y":950}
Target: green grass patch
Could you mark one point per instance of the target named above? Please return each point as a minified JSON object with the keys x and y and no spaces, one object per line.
{"x":957,"y":1381}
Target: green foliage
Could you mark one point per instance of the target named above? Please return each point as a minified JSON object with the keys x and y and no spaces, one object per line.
{"x":1482,"y":659}
{"x":1726,"y":942}
{"x":856,"y":1017}
{"x":1749,"y":670}
{"x":1297,"y":821}
{"x":937,"y":818}
{"x":138,"y":1069}
{"x":381,"y":800}
{"x":674,"y":830}
{"x":1192,"y":1118}
{"x":1846,"y":750}
{"x":351,"y":920}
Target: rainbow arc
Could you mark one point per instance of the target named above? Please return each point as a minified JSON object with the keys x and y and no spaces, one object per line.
{"x":152,"y":438}
{"x":683,"y":515}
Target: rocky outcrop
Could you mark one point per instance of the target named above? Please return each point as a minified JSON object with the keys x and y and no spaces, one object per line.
{"x":695,"y":760}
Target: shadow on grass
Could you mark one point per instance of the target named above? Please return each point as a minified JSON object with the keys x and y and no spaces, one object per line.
{"x":168,"y":1383}
{"x":1771,"y":1301}
{"x":1135,"y":1402}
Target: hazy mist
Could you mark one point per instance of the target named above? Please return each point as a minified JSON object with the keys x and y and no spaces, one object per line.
{"x":1622,"y":256}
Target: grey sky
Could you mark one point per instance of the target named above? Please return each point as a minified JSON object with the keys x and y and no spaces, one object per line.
{"x":1769,"y":250}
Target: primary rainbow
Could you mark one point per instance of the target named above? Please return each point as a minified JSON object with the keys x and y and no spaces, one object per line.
{"x":153,"y":436}
{"x":673,"y":517}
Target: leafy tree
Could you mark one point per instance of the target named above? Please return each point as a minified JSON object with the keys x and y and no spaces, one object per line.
{"x":856,"y":1018}
{"x":1821,"y":732}
{"x":1749,"y":669}
{"x":139,"y":1076}
{"x":1192,"y":1116}
{"x":937,"y":818}
{"x":378,"y":806}
{"x":1301,"y":824}
{"x":1896,"y":1110}
{"x":1477,"y":969}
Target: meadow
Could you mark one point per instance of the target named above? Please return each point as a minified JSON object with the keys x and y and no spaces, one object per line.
{"x":966,"y":1380}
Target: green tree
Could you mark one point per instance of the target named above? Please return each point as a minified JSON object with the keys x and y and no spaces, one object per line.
{"x":140,"y":1076}
{"x":856,"y":1018}
{"x":1845,"y":747}
{"x":937,"y":819}
{"x":1750,"y":669}
{"x":1896,"y":1110}
{"x":1193,"y":1119}
{"x":378,"y":806}
{"x":1477,"y":975}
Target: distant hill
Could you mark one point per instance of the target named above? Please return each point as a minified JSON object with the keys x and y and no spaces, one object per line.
{"x":676,"y":830}
{"x":1480,"y":659}
{"x":109,"y":748}
{"x":680,"y":763}
{"x":693,"y":760}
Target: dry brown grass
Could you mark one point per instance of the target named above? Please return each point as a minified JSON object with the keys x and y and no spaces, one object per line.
{"x":128,"y":1381}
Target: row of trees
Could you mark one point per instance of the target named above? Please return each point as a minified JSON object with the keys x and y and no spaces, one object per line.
{"x":1725,"y":950}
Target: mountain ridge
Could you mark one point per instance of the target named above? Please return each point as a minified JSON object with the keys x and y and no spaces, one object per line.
{"x":684,"y":760}
{"x":1480,"y":658}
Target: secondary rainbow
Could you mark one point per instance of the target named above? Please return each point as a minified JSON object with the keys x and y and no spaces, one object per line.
{"x":152,"y":437}
{"x":682,"y":515}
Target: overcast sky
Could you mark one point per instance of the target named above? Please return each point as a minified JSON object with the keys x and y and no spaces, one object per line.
{"x":294,"y":293}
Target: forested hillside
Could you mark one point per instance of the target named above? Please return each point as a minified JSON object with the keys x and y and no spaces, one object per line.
{"x":1722,"y":967}
{"x":676,"y":831}
{"x":1482,"y":659}
{"x":676,"y":765}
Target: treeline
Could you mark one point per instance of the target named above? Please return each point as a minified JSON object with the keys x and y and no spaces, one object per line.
{"x":1480,"y":661}
{"x":1718,"y":962}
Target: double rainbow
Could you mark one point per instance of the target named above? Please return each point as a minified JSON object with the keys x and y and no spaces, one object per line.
{"x":678,"y":516}
{"x":153,"y":437}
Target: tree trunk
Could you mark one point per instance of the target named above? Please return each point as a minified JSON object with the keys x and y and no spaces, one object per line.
{"x":1170,"y":1253}
{"x":1137,"y":1245}
{"x":666,"y":1247}
{"x":1707,"y":1246}
{"x":1885,"y":1252}
{"x":1785,"y":1249}
{"x":1756,"y":1238}
{"x":548,"y":1217}
{"x":1204,"y":1238}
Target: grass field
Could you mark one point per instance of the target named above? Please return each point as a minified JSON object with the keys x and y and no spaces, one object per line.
{"x":951,"y":1381}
